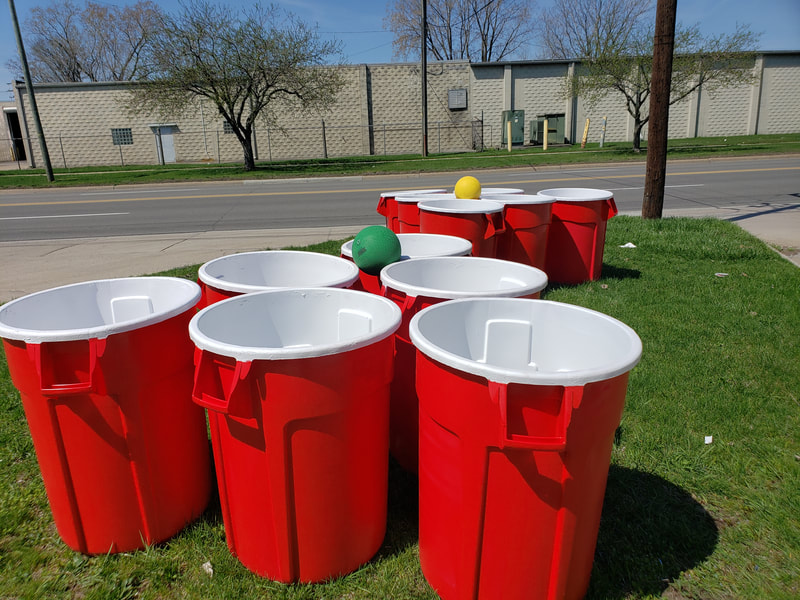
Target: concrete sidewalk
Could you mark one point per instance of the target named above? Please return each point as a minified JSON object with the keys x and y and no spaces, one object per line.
{"x":32,"y":266}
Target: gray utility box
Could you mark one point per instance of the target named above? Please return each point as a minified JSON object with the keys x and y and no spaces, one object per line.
{"x":555,"y":129}
{"x":517,"y":120}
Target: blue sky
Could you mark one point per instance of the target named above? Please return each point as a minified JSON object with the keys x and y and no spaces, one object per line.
{"x":358,"y":24}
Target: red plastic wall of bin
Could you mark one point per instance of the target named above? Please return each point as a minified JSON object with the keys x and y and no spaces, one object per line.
{"x":301,"y":453}
{"x":387,"y":207}
{"x":122,"y":449}
{"x":482,"y":229}
{"x":511,"y":483}
{"x":576,"y":240}
{"x":526,"y":231}
{"x":404,"y":404}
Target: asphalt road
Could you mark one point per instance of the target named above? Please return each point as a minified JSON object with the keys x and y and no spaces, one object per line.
{"x":263,"y":204}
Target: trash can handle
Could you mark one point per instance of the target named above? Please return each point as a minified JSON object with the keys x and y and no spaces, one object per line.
{"x":383,"y":206}
{"x":612,"y":208}
{"x":235,"y":400}
{"x":495,"y":224}
{"x":570,"y":399}
{"x":52,"y":388}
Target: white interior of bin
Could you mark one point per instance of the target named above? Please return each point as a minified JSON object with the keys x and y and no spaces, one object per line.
{"x":412,"y":198}
{"x":576,"y":194}
{"x":258,"y":271}
{"x":411,"y":193}
{"x":297,"y":323}
{"x":460,"y":206}
{"x":511,"y":340}
{"x":416,"y":245}
{"x":96,"y":309}
{"x":521,"y":199}
{"x":500,"y":190}
{"x":463,"y":276}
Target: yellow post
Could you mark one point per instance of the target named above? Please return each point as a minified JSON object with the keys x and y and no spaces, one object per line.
{"x":544,"y":141}
{"x":585,"y":134}
{"x":508,"y":134}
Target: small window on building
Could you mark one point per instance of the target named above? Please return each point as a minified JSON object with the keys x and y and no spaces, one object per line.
{"x":226,"y":127}
{"x":122,"y":137}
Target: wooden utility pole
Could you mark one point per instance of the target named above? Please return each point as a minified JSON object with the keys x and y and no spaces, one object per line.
{"x":663,"y":46}
{"x":29,"y":87}
{"x":424,"y":56}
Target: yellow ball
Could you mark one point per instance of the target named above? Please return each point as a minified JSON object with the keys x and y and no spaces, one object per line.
{"x":468,"y":187}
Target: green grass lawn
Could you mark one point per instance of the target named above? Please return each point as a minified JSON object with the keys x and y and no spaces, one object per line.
{"x":526,"y":156}
{"x":681,"y":519}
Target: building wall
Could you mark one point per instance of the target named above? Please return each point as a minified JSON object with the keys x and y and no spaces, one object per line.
{"x":378,"y":111}
{"x":780,"y":94}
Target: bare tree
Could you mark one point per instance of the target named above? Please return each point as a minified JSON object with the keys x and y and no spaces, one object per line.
{"x":244,"y":63}
{"x":613,"y":39}
{"x":591,"y":29}
{"x":95,"y":42}
{"x":474,"y":30}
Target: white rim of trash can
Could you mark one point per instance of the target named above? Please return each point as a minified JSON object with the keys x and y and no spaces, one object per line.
{"x":521,"y":199}
{"x":411,"y":244}
{"x":345,"y":277}
{"x":413,"y":198}
{"x":354,"y":303}
{"x":577,"y":377}
{"x":526,"y":280}
{"x":412,"y":192}
{"x":460,"y":206}
{"x":500,"y":190}
{"x":576,"y":194}
{"x":177,"y":296}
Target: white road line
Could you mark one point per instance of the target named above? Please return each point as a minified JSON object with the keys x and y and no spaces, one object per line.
{"x":136,"y":192}
{"x":63,"y":216}
{"x":665,"y":187}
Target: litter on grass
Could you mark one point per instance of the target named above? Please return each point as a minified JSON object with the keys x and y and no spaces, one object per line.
{"x":628,"y":245}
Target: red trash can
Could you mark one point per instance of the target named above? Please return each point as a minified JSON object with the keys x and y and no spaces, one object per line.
{"x":250,"y":272}
{"x":527,"y":223}
{"x":479,"y":221}
{"x":104,"y":370}
{"x":577,"y":233}
{"x":408,"y":210}
{"x":416,"y":284}
{"x":412,"y":245}
{"x":387,"y":206}
{"x":296,"y":383}
{"x":519,"y":403}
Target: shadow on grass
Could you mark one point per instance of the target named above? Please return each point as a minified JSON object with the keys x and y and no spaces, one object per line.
{"x":608,"y":272}
{"x":402,"y":523}
{"x":651,"y":531}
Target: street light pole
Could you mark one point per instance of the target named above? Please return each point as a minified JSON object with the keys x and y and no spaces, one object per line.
{"x":29,"y":87}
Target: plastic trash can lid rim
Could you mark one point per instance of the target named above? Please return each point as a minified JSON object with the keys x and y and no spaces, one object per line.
{"x":349,"y":272}
{"x":586,"y":194}
{"x":250,"y":353}
{"x":536,"y":278}
{"x":35,"y":336}
{"x":511,"y":375}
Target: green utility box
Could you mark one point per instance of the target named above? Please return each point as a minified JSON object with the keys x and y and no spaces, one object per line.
{"x":517,"y":120}
{"x":555,"y":129}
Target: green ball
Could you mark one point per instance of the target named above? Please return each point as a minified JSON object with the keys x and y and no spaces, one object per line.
{"x":375,"y":247}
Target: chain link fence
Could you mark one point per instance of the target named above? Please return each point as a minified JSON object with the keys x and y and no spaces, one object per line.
{"x":145,"y":145}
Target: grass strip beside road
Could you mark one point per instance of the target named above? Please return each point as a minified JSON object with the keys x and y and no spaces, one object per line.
{"x":732,"y":146}
{"x":682,"y":518}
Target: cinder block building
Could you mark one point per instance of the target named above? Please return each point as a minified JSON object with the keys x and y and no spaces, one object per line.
{"x":378,"y":112}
